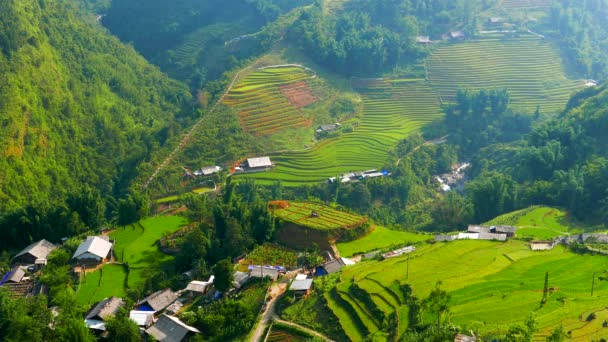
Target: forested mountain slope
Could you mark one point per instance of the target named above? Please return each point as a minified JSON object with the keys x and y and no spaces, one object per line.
{"x":562,"y":162}
{"x":196,"y":40}
{"x":78,"y":112}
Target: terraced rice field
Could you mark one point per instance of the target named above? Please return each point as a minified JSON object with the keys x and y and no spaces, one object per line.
{"x":326,"y":218}
{"x":391,"y":110}
{"x":107,"y":282}
{"x":137,"y":245}
{"x":524,"y":3}
{"x":528,"y":67}
{"x":493,"y":286}
{"x":269,"y":100}
{"x":380,"y":238}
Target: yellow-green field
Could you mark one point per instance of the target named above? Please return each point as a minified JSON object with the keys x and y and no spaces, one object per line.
{"x":380,"y":238}
{"x":493,"y":286}
{"x":530,"y":68}
{"x":391,"y":111}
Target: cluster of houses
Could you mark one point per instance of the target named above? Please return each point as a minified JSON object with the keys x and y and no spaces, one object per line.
{"x":155,"y":314}
{"x":499,"y":233}
{"x":353,"y":177}
{"x":259,"y":164}
{"x":454,"y":180}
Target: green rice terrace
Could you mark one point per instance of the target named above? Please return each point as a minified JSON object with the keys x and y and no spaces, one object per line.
{"x":137,"y":245}
{"x":539,"y":223}
{"x":530,"y":68}
{"x":269,"y":100}
{"x":493,"y":285}
{"x":380,"y":238}
{"x":106,"y":282}
{"x":391,"y":110}
{"x":314,"y":215}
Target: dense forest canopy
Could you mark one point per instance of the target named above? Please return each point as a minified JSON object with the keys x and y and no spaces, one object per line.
{"x":79,"y":111}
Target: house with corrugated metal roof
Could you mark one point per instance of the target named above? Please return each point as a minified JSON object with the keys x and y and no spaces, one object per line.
{"x":94,"y":250}
{"x":157,"y":301}
{"x":170,"y":329}
{"x":99,"y":313}
{"x":36,"y":253}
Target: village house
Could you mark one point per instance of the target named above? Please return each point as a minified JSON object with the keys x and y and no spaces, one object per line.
{"x":457,"y":35}
{"x":36,"y":253}
{"x":264,"y":272}
{"x":301,"y":287}
{"x":170,"y":329}
{"x":328,"y":128}
{"x":423,"y":40}
{"x":443,"y":237}
{"x":468,"y":236}
{"x":99,"y":314}
{"x":143,"y":319}
{"x":95,"y":250}
{"x":157,"y":301}
{"x":330,"y":267}
{"x":240,"y":278}
{"x":15,"y":276}
{"x":495,"y":21}
{"x":541,"y":245}
{"x":258,"y":164}
{"x":509,"y":231}
{"x":493,"y":236}
{"x":207,"y":171}
{"x":199,"y":287}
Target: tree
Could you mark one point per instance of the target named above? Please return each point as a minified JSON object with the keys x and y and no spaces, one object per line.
{"x":224,"y":275}
{"x":193,"y":248}
{"x":558,"y":335}
{"x":438,"y":303}
{"x":452,"y":212}
{"x":121,"y":328}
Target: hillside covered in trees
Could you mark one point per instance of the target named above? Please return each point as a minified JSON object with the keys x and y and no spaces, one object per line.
{"x":79,"y":111}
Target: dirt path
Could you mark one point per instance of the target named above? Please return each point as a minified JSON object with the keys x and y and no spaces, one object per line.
{"x":303,"y":328}
{"x":275,"y":291}
{"x":437,"y":141}
{"x":192,"y":129}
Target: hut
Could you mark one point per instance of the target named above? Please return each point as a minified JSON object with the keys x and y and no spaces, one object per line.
{"x":170,"y":329}
{"x":36,"y":253}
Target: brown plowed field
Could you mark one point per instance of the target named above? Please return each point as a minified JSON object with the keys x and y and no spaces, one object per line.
{"x":299,"y":94}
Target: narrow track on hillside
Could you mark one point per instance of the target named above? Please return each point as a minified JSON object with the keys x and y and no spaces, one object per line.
{"x":186,"y":138}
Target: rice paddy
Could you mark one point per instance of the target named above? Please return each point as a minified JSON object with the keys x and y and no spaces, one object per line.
{"x":380,"y":238}
{"x":316,"y":216}
{"x":137,"y":245}
{"x":493,"y":286}
{"x":530,"y":68}
{"x":269,"y":100}
{"x":391,"y":110}
{"x":102,"y":284}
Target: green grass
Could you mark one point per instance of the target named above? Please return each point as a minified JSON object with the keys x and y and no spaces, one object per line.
{"x":380,"y":238}
{"x":493,"y":285}
{"x":391,"y":111}
{"x":530,"y":68}
{"x":113,"y":278}
{"x":137,"y":245}
{"x":540,"y":223}
{"x":328,"y":218}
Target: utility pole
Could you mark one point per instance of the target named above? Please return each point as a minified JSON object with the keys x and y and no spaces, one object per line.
{"x":408,"y":267}
{"x":592,"y":284}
